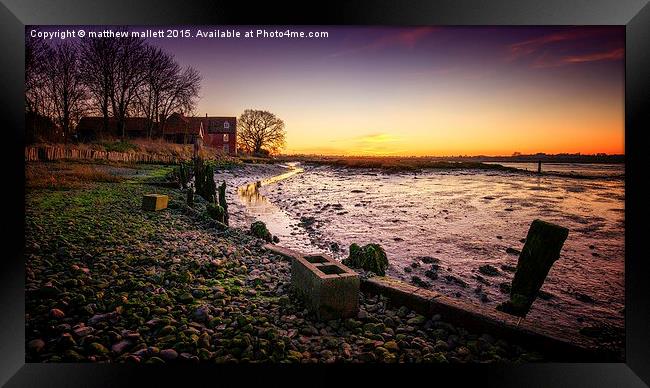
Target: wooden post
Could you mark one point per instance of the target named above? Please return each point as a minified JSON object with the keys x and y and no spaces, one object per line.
{"x":539,"y":167}
{"x":543,"y":245}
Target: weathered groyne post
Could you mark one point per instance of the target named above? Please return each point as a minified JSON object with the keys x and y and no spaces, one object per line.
{"x":222,"y":201}
{"x":539,"y":167}
{"x":543,"y":245}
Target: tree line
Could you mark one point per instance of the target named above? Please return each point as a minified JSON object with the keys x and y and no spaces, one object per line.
{"x":114,"y":78}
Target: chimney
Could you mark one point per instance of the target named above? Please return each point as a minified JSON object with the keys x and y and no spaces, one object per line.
{"x":206,"y":115}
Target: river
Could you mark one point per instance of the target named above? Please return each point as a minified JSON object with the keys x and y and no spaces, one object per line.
{"x":463,"y":219}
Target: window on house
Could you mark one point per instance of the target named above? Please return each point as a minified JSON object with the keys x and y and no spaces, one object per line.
{"x":226,"y":125}
{"x":225,"y":138}
{"x":226,"y":149}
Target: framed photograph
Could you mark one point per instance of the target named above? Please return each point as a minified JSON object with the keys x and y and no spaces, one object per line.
{"x":361,"y":193}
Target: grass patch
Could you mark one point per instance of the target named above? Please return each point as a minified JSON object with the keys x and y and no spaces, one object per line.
{"x":64,"y":176}
{"x":119,"y":146}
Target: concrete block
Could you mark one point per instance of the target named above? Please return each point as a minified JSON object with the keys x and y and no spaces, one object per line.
{"x":330,"y":289}
{"x":154,"y":202}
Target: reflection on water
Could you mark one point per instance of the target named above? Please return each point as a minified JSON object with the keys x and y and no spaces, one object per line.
{"x":250,"y":196}
{"x":279,"y":222}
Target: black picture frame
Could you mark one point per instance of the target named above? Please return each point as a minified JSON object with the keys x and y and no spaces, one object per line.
{"x":633,"y":14}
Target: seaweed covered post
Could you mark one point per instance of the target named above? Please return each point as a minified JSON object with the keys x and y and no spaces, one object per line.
{"x":216,"y":212}
{"x":184,"y":175}
{"x":222,"y":201}
{"x":371,"y":257}
{"x":543,"y":245}
{"x":258,"y":229}
{"x":190,"y":196}
{"x":204,"y":180}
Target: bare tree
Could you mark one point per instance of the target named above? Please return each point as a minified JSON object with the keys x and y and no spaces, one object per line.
{"x":64,"y":87}
{"x":162,"y":73}
{"x":258,"y":130}
{"x":181,"y":95}
{"x":37,"y":53}
{"x":129,"y":76}
{"x":98,"y":58}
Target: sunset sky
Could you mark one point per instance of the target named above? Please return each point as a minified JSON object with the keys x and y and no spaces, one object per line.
{"x":423,"y":90}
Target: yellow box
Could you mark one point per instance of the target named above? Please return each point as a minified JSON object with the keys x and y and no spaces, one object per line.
{"x":154,"y":201}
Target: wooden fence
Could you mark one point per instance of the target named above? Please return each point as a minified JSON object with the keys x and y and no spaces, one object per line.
{"x":48,"y":153}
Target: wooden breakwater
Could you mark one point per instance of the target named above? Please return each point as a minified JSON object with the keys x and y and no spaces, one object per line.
{"x":50,"y":153}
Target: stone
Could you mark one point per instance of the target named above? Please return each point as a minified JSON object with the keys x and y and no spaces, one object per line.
{"x":488,"y":270}
{"x":391,"y":346}
{"x":121,"y":346}
{"x":154,"y":202}
{"x":36,"y":345}
{"x":97,"y":348}
{"x":542,"y":248}
{"x":57,"y":314}
{"x":168,"y":354}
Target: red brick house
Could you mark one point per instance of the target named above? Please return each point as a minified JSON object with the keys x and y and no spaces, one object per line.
{"x":218,"y":132}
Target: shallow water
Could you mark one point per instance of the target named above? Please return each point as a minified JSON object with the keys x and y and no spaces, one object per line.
{"x":463,"y":218}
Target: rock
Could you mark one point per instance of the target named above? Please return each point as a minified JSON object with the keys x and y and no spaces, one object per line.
{"x":512,"y":251}
{"x":431,"y":274}
{"x":367,"y":357}
{"x":98,"y":349}
{"x":391,"y":346}
{"x":370,"y":257}
{"x":294,"y":355}
{"x":121,"y":346}
{"x":440,"y":346}
{"x":56,"y":314}
{"x":508,"y":268}
{"x":83,"y":331}
{"x":168,"y":354}
{"x":429,"y":260}
{"x":36,"y":345}
{"x":458,"y":281}
{"x":101,"y":317}
{"x":488,"y":270}
{"x":417,"y":320}
{"x":202,"y":314}
{"x":419,"y":282}
{"x":504,"y":287}
{"x":584,"y":297}
{"x":276,"y":239}
{"x":403,"y":311}
{"x":463,"y":351}
{"x":66,"y":341}
{"x":204,"y":341}
{"x":185,"y":297}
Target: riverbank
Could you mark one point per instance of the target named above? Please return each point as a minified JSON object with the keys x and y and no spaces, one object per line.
{"x":107,"y":281}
